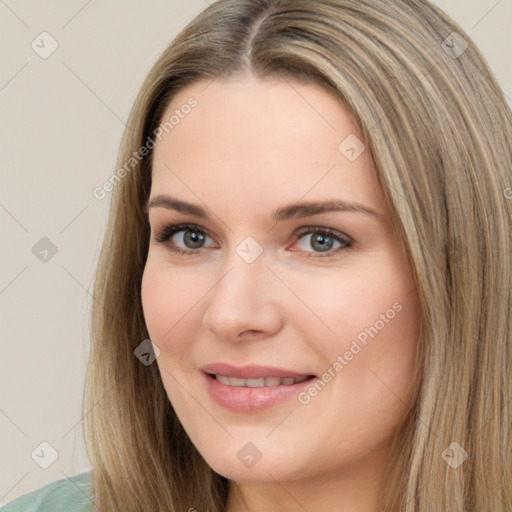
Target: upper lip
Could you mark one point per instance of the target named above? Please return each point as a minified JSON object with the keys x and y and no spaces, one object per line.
{"x":250,"y":371}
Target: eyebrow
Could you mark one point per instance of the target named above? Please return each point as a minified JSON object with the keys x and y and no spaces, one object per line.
{"x":292,"y":211}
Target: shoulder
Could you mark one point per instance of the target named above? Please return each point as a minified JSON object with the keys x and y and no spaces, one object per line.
{"x":72,"y":494}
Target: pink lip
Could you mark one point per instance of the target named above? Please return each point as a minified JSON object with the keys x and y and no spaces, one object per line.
{"x":249,"y":371}
{"x":247,"y":399}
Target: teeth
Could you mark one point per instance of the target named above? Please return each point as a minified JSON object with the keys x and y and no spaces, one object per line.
{"x":252,"y":383}
{"x":224,"y":380}
{"x":272,"y":381}
{"x":260,"y":383}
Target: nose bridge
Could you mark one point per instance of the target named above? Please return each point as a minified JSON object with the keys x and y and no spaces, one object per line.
{"x":244,"y":279}
{"x":241,"y":299}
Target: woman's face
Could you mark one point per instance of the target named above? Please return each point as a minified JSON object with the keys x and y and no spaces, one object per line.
{"x":291,"y":263}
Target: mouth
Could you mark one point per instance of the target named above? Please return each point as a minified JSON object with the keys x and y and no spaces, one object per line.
{"x":260,"y":382}
{"x":253,"y":388}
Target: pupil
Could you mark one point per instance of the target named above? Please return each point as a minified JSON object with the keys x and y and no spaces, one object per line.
{"x":324,"y":242}
{"x":193,"y":239}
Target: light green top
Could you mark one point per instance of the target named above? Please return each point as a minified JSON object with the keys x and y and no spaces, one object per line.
{"x":71,"y":494}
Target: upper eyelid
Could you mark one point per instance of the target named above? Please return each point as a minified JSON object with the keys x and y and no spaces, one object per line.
{"x":298,"y":219}
{"x":187,"y":225}
{"x":191,"y":226}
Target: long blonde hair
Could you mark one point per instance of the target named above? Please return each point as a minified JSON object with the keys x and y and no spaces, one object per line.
{"x":439,"y":130}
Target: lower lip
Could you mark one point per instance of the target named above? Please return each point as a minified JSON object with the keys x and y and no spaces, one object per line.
{"x":247,"y":399}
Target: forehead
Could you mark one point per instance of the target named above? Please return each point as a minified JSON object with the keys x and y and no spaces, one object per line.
{"x":246,"y":137}
{"x":252,"y":112}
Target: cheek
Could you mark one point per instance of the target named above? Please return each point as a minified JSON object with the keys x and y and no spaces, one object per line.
{"x":345,"y":304}
{"x":370,"y":317}
{"x":170,"y":301}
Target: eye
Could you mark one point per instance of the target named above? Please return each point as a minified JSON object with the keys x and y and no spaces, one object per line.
{"x":188,"y":239}
{"x":324,"y":242}
{"x":184,"y":238}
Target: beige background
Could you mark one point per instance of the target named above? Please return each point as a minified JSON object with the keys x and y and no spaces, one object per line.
{"x":62,"y":119}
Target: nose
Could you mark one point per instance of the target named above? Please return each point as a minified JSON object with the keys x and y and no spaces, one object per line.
{"x":245,"y":302}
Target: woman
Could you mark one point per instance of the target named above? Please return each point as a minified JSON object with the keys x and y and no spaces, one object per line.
{"x":312,"y":223}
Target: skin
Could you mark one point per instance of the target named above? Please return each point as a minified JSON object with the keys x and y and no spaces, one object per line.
{"x":247,"y":148}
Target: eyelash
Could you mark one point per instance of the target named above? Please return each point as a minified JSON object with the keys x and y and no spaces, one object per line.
{"x":167,"y":232}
